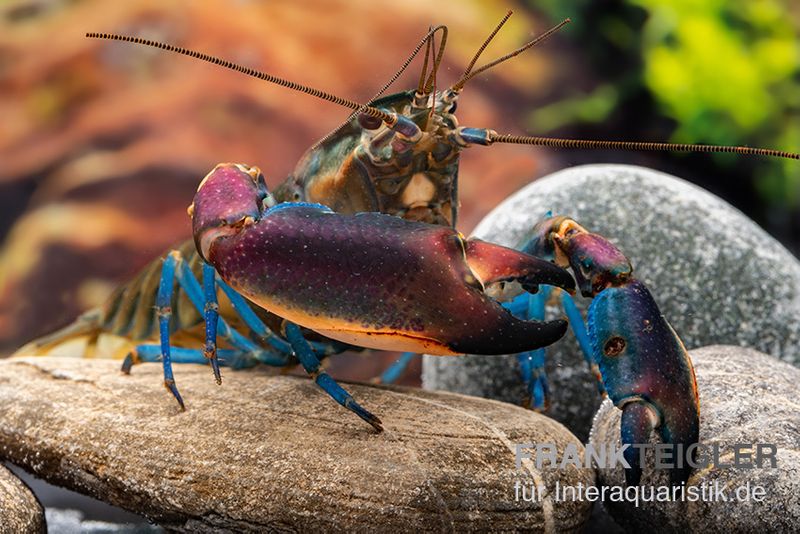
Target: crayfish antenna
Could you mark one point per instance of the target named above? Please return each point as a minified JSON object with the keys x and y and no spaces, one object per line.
{"x":426,"y":85}
{"x":485,"y":44}
{"x":426,"y":40}
{"x":468,"y":75}
{"x":555,"y":142}
{"x":323,"y":95}
{"x":437,"y":54}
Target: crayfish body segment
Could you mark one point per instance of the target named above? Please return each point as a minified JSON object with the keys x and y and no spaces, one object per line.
{"x":369,"y":279}
{"x":644,"y":366}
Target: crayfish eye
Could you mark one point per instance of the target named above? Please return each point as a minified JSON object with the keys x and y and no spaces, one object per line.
{"x":586,"y":268}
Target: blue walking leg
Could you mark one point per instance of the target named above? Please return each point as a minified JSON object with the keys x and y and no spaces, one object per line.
{"x":394,"y":371}
{"x":531,"y":365}
{"x":282,"y":349}
{"x":164,"y":313}
{"x":244,"y":350}
{"x":252,"y":321}
{"x":519,"y":306}
{"x":152,"y":353}
{"x":211,"y":316}
{"x":579,"y":329}
{"x":189,"y":283}
{"x":532,"y":362}
{"x":531,"y":306}
{"x":311,"y":364}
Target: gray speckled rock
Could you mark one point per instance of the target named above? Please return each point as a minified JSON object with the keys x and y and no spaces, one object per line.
{"x":745,"y":397}
{"x":717,"y":276}
{"x":19,"y":509}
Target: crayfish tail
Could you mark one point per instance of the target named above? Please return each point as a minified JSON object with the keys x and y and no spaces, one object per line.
{"x":90,"y":323}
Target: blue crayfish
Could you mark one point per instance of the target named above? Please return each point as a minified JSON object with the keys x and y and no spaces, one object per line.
{"x":357,"y":248}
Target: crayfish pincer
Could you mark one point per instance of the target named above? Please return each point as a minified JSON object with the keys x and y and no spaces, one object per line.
{"x":644,"y":366}
{"x":369,"y":279}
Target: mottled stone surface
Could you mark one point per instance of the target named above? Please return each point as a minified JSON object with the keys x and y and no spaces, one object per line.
{"x":19,"y":509}
{"x":746,"y":397}
{"x":717,"y":277}
{"x":265,"y":452}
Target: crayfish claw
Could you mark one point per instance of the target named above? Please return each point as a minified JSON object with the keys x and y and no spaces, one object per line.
{"x":510,"y":335}
{"x":496,"y":264}
{"x":646,"y":371}
{"x":639,"y":419}
{"x":408,"y":286}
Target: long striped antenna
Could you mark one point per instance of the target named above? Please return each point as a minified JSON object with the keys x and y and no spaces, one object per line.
{"x":468,"y":75}
{"x":437,"y":59}
{"x":485,"y":44}
{"x":367,"y":110}
{"x":555,"y":142}
{"x":493,"y":137}
{"x":400,"y":71}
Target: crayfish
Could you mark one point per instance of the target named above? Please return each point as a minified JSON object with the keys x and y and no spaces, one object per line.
{"x":358,"y":248}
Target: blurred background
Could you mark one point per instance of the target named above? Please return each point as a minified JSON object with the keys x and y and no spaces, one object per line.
{"x":102,"y":144}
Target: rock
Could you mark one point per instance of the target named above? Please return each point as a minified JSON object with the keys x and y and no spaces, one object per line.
{"x":265,"y":452}
{"x":717,"y":277}
{"x":20,"y":511}
{"x":746,"y":397}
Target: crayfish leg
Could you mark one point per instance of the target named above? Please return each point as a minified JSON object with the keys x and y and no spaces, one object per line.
{"x":211,"y":316}
{"x":312,"y":366}
{"x":392,"y":373}
{"x":164,"y":313}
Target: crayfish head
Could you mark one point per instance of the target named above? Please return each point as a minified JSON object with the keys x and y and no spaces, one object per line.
{"x":230,"y":197}
{"x":596,"y":263}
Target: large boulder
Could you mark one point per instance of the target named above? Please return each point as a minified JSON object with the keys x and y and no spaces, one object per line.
{"x":20,"y":511}
{"x":717,"y":277}
{"x":746,"y":398}
{"x":265,"y":452}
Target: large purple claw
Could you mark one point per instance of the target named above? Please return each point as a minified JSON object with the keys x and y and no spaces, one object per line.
{"x":645,"y":368}
{"x":647,"y":372}
{"x":372,"y":280}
